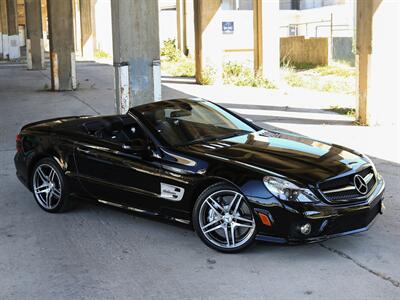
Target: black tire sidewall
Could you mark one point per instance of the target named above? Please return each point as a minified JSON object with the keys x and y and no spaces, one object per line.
{"x":196,"y":224}
{"x":64,"y":201}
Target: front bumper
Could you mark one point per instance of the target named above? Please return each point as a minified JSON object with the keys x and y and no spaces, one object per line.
{"x":327,"y":221}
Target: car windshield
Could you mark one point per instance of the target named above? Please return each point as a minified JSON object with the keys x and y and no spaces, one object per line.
{"x":186,"y":122}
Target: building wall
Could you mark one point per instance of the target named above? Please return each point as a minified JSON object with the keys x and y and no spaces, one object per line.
{"x":103,"y":26}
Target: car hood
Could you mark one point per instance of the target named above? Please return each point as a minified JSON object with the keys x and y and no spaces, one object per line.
{"x":303,"y":159}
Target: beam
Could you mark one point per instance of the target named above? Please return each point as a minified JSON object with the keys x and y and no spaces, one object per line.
{"x":4,"y":28}
{"x":13,"y":34}
{"x":364,"y":49}
{"x":34,"y":40}
{"x":62,"y":54}
{"x":136,"y":52}
{"x":266,"y":39}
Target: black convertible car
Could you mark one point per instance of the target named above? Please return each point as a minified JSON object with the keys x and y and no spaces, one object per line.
{"x":194,"y":161}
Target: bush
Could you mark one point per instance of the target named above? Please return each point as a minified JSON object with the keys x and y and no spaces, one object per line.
{"x":183,"y":67}
{"x":208,"y":76}
{"x":169,"y":51}
{"x":237,"y":74}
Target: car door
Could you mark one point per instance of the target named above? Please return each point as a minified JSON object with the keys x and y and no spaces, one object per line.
{"x":109,"y":173}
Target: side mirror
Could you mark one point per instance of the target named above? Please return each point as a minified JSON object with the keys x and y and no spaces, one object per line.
{"x":136,"y":146}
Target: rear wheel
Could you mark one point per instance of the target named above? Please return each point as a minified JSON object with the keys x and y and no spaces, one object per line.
{"x":223,"y":219}
{"x":49,"y":186}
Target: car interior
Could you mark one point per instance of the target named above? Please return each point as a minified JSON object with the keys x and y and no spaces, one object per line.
{"x":118,"y":129}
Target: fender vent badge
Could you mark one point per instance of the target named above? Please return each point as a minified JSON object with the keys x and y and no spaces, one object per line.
{"x":171,"y":192}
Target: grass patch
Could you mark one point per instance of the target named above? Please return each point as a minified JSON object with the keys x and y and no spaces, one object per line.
{"x":336,"y":70}
{"x":101,"y":54}
{"x":334,"y":78}
{"x":237,"y":74}
{"x":184,"y":67}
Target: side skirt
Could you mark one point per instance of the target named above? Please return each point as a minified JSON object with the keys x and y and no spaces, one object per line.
{"x":142,"y":211}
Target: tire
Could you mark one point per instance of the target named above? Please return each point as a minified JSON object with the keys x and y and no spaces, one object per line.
{"x":49,"y":186}
{"x":223,"y":219}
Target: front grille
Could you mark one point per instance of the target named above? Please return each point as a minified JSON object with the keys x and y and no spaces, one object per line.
{"x":341,"y":190}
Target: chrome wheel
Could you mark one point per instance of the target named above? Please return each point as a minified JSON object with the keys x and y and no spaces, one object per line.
{"x":226,"y":220}
{"x":47,"y":186}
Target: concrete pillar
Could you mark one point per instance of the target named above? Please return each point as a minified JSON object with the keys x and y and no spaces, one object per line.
{"x":76,"y":13}
{"x":136,"y":52}
{"x":364,"y":49}
{"x":13,"y":32}
{"x":208,"y":36}
{"x":1,"y":35}
{"x":34,"y":40}
{"x":4,"y":28}
{"x":62,"y":54}
{"x":87,"y":28}
{"x":266,"y":39}
{"x":181,"y":23}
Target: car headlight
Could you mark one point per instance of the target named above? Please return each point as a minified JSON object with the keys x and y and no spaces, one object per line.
{"x":286,"y":190}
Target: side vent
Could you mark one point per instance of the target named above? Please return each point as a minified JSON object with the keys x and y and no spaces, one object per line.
{"x":171,"y":192}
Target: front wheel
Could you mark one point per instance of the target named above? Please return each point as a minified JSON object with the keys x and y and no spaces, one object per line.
{"x":223,"y":219}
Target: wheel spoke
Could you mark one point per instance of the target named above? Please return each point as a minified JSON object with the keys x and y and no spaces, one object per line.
{"x":41,"y":174}
{"x":211,"y":223}
{"x":237,"y":218}
{"x":214,"y":204}
{"x":243,"y":225}
{"x":48,"y":199}
{"x":56,"y":192}
{"x":233,"y":234}
{"x":41,"y":189}
{"x":214,"y":228}
{"x":235,"y":203}
{"x":227,"y":236}
{"x":51,"y":175}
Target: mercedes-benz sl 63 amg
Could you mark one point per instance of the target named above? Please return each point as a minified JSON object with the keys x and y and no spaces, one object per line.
{"x":194,"y":161}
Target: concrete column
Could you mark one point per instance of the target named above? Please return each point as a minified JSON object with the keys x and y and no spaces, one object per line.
{"x":1,"y":35}
{"x":62,"y":54}
{"x":208,"y":45}
{"x":87,"y":28}
{"x":364,"y":49}
{"x":4,"y":28}
{"x":266,"y":39}
{"x":136,"y":52}
{"x":181,"y":24}
{"x":76,"y":13}
{"x":13,"y":32}
{"x":34,"y":40}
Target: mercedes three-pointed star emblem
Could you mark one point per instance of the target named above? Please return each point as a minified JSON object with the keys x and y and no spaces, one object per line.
{"x":360,"y":184}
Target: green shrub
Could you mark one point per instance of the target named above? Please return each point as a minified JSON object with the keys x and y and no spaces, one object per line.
{"x":101,"y":54}
{"x":169,"y":51}
{"x":183,"y":67}
{"x":208,"y":75}
{"x":237,"y":74}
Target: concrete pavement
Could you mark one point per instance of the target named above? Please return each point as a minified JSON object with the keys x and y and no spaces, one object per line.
{"x":96,"y":252}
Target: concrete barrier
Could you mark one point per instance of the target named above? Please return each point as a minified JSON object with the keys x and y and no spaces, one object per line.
{"x":299,"y":50}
